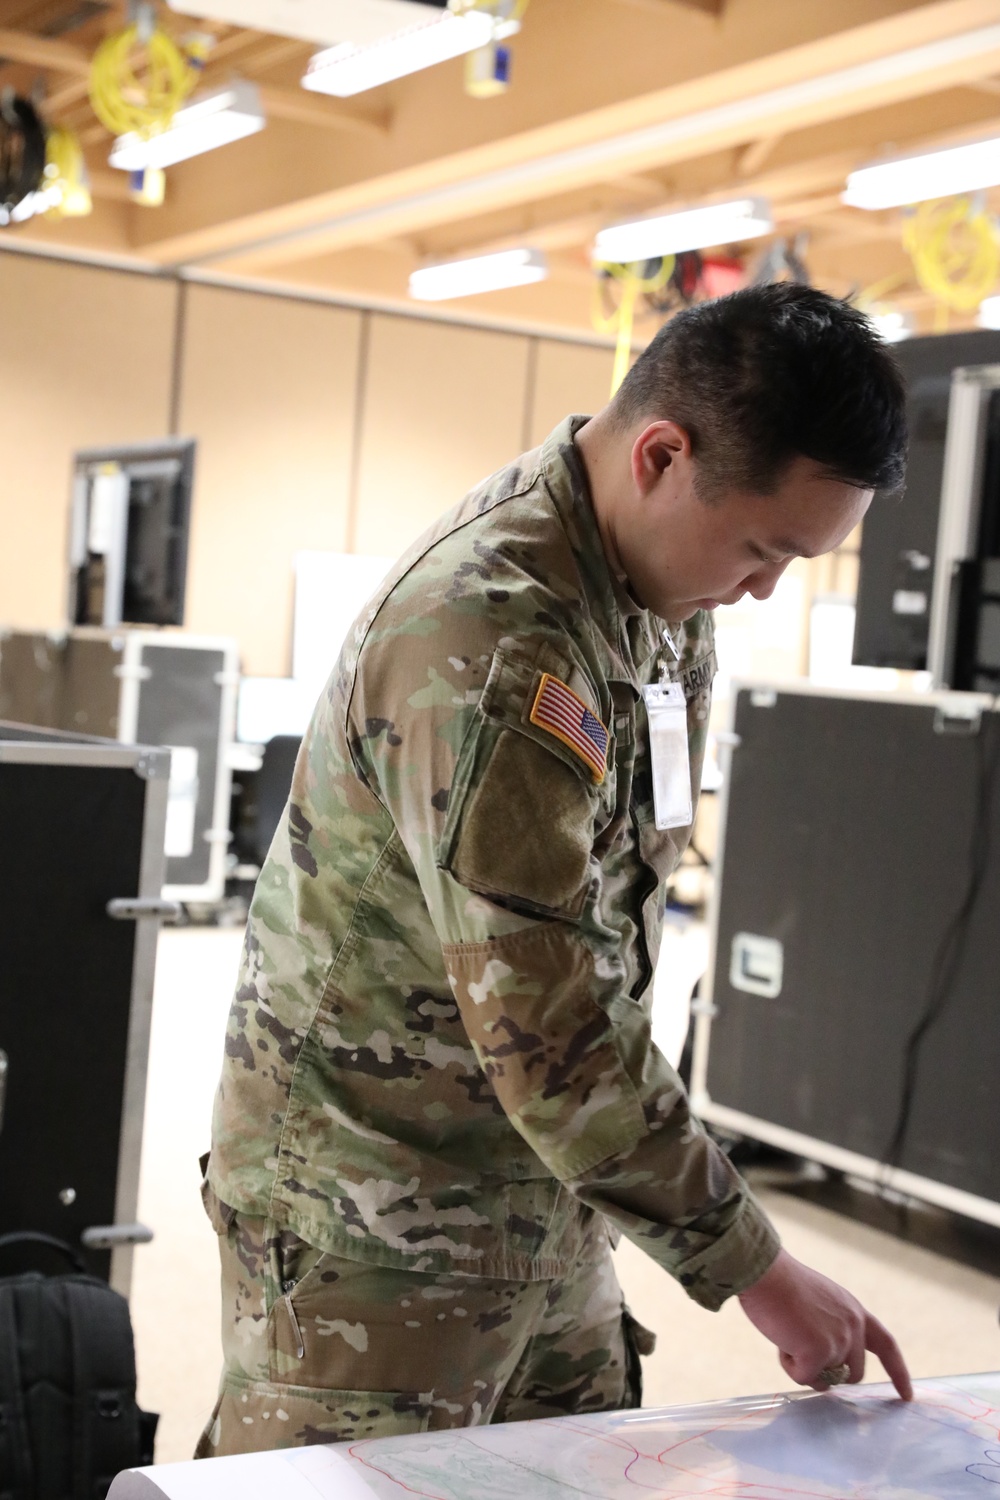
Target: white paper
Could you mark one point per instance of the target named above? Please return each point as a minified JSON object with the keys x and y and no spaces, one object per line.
{"x":182,"y":801}
{"x":108,"y":501}
{"x":290,"y":1474}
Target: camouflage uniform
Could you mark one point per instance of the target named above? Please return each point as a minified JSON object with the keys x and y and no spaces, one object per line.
{"x":438,"y":1059}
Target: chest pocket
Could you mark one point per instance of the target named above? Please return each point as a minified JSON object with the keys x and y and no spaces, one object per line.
{"x":524,"y":809}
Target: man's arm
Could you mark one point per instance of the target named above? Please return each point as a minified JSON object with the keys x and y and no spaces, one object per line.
{"x":602,"y":1108}
{"x":499,"y":821}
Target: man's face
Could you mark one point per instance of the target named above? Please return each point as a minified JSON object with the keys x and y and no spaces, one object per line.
{"x":682,"y":554}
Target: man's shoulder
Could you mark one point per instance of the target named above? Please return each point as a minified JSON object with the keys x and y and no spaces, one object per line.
{"x":512,"y":505}
{"x":502,"y":556}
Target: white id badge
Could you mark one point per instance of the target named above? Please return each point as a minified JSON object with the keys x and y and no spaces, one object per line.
{"x":666,"y":710}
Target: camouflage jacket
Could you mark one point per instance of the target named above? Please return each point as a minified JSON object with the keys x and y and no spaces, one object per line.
{"x":439,"y":1051}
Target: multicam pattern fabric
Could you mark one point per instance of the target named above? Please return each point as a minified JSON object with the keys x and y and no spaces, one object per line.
{"x":321,"y":1349}
{"x":439,"y":1054}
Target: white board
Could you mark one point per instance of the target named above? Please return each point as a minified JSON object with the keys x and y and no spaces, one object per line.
{"x":267,"y":706}
{"x":331,"y":590}
{"x":861,"y":1442}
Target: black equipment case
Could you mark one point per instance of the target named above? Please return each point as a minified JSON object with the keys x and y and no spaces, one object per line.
{"x":81,"y":840}
{"x":851,"y":828}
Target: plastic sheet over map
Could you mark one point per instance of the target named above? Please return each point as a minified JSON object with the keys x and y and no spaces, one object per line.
{"x":860,"y":1442}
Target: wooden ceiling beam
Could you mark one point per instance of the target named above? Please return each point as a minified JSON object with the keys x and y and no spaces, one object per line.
{"x":43,"y":52}
{"x":570,"y":269}
{"x":798,"y":210}
{"x":704,"y":7}
{"x":904,"y":56}
{"x":105,"y":183}
{"x":65,"y":97}
{"x":635,"y":185}
{"x":237,"y":44}
{"x":797,"y":199}
{"x":559,"y":234}
{"x":985,"y":85}
{"x":856,"y":224}
{"x":308,"y":109}
{"x":272,"y":53}
{"x":754,"y":156}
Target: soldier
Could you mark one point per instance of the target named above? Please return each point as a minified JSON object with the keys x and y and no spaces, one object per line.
{"x":440,"y":1097}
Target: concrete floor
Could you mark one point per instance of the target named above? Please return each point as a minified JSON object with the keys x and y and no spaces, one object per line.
{"x":932,"y":1280}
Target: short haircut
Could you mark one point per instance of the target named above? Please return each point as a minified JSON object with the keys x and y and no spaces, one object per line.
{"x":765,"y":375}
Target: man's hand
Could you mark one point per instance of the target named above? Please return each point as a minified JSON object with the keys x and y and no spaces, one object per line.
{"x":817,"y":1325}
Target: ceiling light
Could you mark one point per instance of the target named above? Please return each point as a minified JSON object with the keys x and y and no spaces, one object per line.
{"x":477,"y":273}
{"x":322,"y":22}
{"x":989,"y":313}
{"x":210,"y":120}
{"x":692,"y":229}
{"x":348,"y":68}
{"x":932,"y":174}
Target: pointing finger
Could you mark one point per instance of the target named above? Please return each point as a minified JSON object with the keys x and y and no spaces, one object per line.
{"x":882,"y":1344}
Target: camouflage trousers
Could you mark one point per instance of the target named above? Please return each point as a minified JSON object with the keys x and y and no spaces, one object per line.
{"x":319,"y":1349}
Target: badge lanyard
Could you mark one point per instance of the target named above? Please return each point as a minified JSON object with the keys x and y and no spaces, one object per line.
{"x":666,"y":711}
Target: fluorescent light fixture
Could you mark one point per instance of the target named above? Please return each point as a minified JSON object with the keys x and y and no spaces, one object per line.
{"x":38,"y":202}
{"x":892,"y":326}
{"x":989,"y":313}
{"x":477,"y":273}
{"x":210,"y":120}
{"x":932,"y":174}
{"x":692,"y":229}
{"x":321,"y":22}
{"x":348,"y":69}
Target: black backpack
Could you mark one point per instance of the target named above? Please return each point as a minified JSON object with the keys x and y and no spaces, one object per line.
{"x":68,"y":1416}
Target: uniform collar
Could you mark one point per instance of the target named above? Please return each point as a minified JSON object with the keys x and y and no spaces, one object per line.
{"x":637,"y":631}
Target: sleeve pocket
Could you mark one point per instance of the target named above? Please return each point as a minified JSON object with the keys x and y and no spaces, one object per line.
{"x":521,"y":817}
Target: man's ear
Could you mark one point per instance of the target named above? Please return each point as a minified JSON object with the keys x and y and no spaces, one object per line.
{"x":655,"y":449}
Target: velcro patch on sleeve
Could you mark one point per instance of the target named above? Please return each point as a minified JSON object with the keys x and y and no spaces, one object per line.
{"x":558,"y":710}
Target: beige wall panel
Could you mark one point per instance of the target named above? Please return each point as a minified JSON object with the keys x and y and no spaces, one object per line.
{"x":85,"y":360}
{"x":443,"y":407}
{"x":568,"y":378}
{"x":268,"y":389}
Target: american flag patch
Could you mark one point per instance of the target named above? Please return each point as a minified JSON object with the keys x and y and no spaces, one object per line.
{"x":562,"y":713}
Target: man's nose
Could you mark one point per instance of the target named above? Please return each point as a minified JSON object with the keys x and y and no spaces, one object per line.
{"x":763,"y":581}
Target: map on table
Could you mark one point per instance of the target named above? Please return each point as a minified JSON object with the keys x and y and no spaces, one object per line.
{"x":860,"y":1442}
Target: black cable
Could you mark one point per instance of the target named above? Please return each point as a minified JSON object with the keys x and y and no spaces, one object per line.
{"x":950,"y":950}
{"x":22,"y":152}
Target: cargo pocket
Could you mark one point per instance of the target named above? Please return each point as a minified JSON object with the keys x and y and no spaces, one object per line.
{"x":253,"y":1416}
{"x":220,"y":1215}
{"x":638,"y":1341}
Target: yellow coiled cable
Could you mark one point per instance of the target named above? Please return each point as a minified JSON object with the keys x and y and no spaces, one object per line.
{"x":621,"y":321}
{"x":955,"y":250}
{"x":66,"y":177}
{"x":137,"y":85}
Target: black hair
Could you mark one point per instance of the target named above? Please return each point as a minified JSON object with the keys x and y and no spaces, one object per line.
{"x":765,"y":375}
